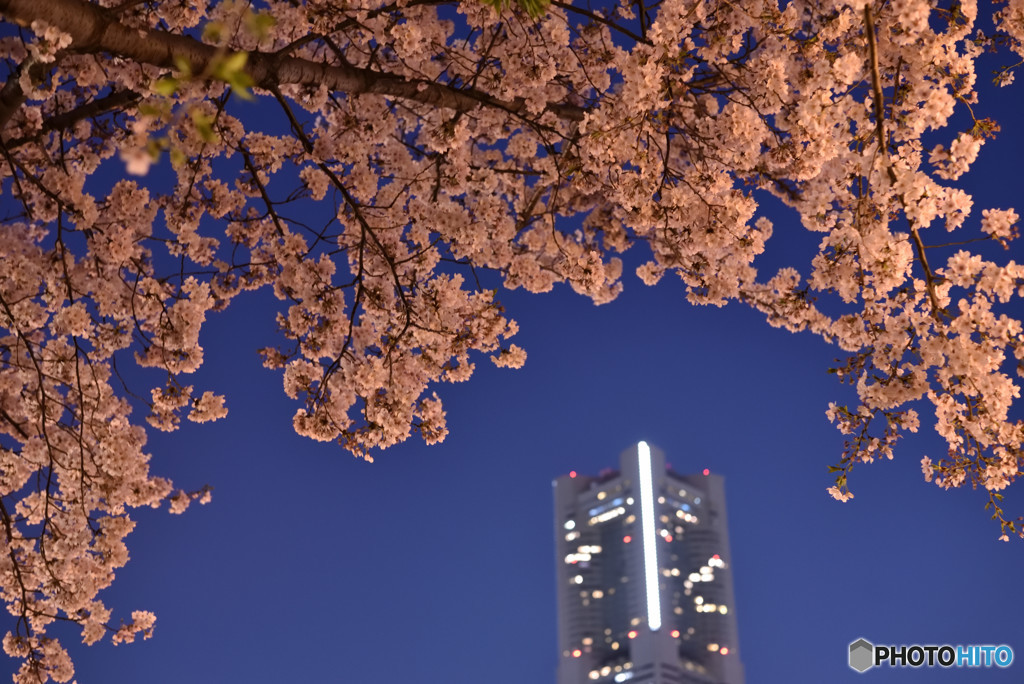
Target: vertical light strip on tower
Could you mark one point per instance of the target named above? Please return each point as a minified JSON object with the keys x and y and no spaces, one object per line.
{"x":649,"y":536}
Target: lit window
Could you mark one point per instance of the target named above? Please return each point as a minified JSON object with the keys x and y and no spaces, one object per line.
{"x":698,"y":600}
{"x":578,"y":579}
{"x":570,"y":524}
{"x":601,"y":496}
{"x":594,"y":674}
{"x":597,"y":594}
{"x":607,"y":515}
{"x":587,"y":641}
{"x":635,"y":621}
{"x":675,"y":572}
{"x":630,"y":501}
{"x":713,"y":647}
{"x":615,"y":645}
{"x":572,"y":535}
{"x":661,"y":499}
{"x":605,"y":671}
{"x":723,"y":610}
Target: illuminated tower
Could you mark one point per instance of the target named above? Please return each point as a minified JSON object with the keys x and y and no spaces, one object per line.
{"x":645,"y":592}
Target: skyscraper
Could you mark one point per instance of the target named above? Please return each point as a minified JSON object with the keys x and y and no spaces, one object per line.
{"x":645,"y":590}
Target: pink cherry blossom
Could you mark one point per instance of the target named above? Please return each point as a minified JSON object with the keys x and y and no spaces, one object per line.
{"x":402,"y":149}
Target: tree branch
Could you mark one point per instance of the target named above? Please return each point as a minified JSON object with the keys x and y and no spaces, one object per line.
{"x":94,"y":29}
{"x":879,"y":105}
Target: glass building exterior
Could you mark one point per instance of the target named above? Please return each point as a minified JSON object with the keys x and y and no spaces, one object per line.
{"x":645,"y":592}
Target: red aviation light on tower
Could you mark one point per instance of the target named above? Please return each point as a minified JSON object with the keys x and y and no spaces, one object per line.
{"x":572,"y":473}
{"x":707,"y":471}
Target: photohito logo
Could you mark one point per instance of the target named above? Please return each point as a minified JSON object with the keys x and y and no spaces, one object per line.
{"x":865,"y":655}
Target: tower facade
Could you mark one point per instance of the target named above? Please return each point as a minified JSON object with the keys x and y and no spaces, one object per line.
{"x":645,"y":592}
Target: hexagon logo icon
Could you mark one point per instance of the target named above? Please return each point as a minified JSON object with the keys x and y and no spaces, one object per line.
{"x":862,"y":654}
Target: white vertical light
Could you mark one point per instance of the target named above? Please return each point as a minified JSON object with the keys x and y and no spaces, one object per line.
{"x":649,"y":537}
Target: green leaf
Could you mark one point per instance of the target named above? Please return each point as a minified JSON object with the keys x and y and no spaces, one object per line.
{"x":177,"y":157}
{"x":534,"y":8}
{"x":182,"y":65}
{"x":241,"y":83}
{"x":204,"y":126}
{"x":233,"y":64}
{"x":259,"y":24}
{"x":154,"y":146}
{"x":213,"y":32}
{"x":166,"y":86}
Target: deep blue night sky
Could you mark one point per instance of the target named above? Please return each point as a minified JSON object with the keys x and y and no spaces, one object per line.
{"x":436,"y":564}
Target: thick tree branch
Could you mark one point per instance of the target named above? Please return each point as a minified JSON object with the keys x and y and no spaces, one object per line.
{"x":94,"y":29}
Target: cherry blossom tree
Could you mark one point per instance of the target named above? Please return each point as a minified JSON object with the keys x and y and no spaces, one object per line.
{"x":161,"y":157}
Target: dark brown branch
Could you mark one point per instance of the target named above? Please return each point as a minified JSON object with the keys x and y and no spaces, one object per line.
{"x":879,"y":105}
{"x":93,"y":29}
{"x":60,"y":122}
{"x":12,"y":96}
